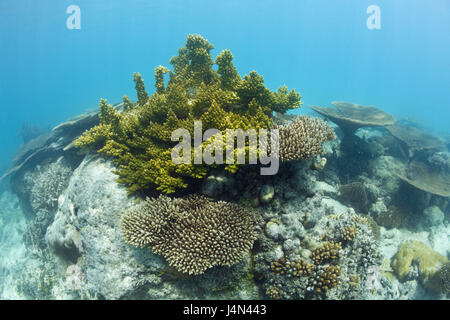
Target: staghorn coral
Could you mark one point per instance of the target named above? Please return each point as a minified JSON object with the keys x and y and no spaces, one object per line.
{"x":192,"y":233}
{"x":139,"y":138}
{"x":328,"y":251}
{"x":303,"y":138}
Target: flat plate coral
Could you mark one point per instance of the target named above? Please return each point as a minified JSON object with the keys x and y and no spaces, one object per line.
{"x":426,"y":178}
{"x":414,"y":139}
{"x":349,"y":116}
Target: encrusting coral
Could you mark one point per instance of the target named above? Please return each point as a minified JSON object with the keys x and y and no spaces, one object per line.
{"x":192,"y":233}
{"x":139,"y":138}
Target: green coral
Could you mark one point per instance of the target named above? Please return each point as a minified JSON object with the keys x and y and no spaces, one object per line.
{"x":415,"y":252}
{"x":139,"y":138}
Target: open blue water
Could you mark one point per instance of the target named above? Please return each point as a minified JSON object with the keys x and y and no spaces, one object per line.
{"x":322,"y":48}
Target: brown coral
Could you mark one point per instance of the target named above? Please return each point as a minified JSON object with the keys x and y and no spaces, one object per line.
{"x":274,"y":293}
{"x":354,"y":282}
{"x":328,"y":251}
{"x":192,"y":233}
{"x":328,"y":278}
{"x":301,"y":268}
{"x":354,"y":194}
{"x":297,"y":268}
{"x":349,"y":233}
{"x":303,"y":138}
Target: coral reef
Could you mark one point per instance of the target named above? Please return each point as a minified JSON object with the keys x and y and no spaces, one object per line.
{"x":349,"y":215}
{"x":312,"y":244}
{"x":192,"y":233}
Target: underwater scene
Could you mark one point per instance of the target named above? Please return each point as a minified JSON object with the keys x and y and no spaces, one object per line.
{"x":225,"y":150}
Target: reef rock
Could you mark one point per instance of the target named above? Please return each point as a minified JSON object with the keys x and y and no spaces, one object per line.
{"x":86,"y":230}
{"x":433,"y":216}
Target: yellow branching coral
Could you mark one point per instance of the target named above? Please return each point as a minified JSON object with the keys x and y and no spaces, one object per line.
{"x":192,"y":233}
{"x":139,"y":138}
{"x":140,"y":89}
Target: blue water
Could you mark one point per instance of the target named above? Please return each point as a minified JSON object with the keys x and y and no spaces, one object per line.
{"x":321,"y":48}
